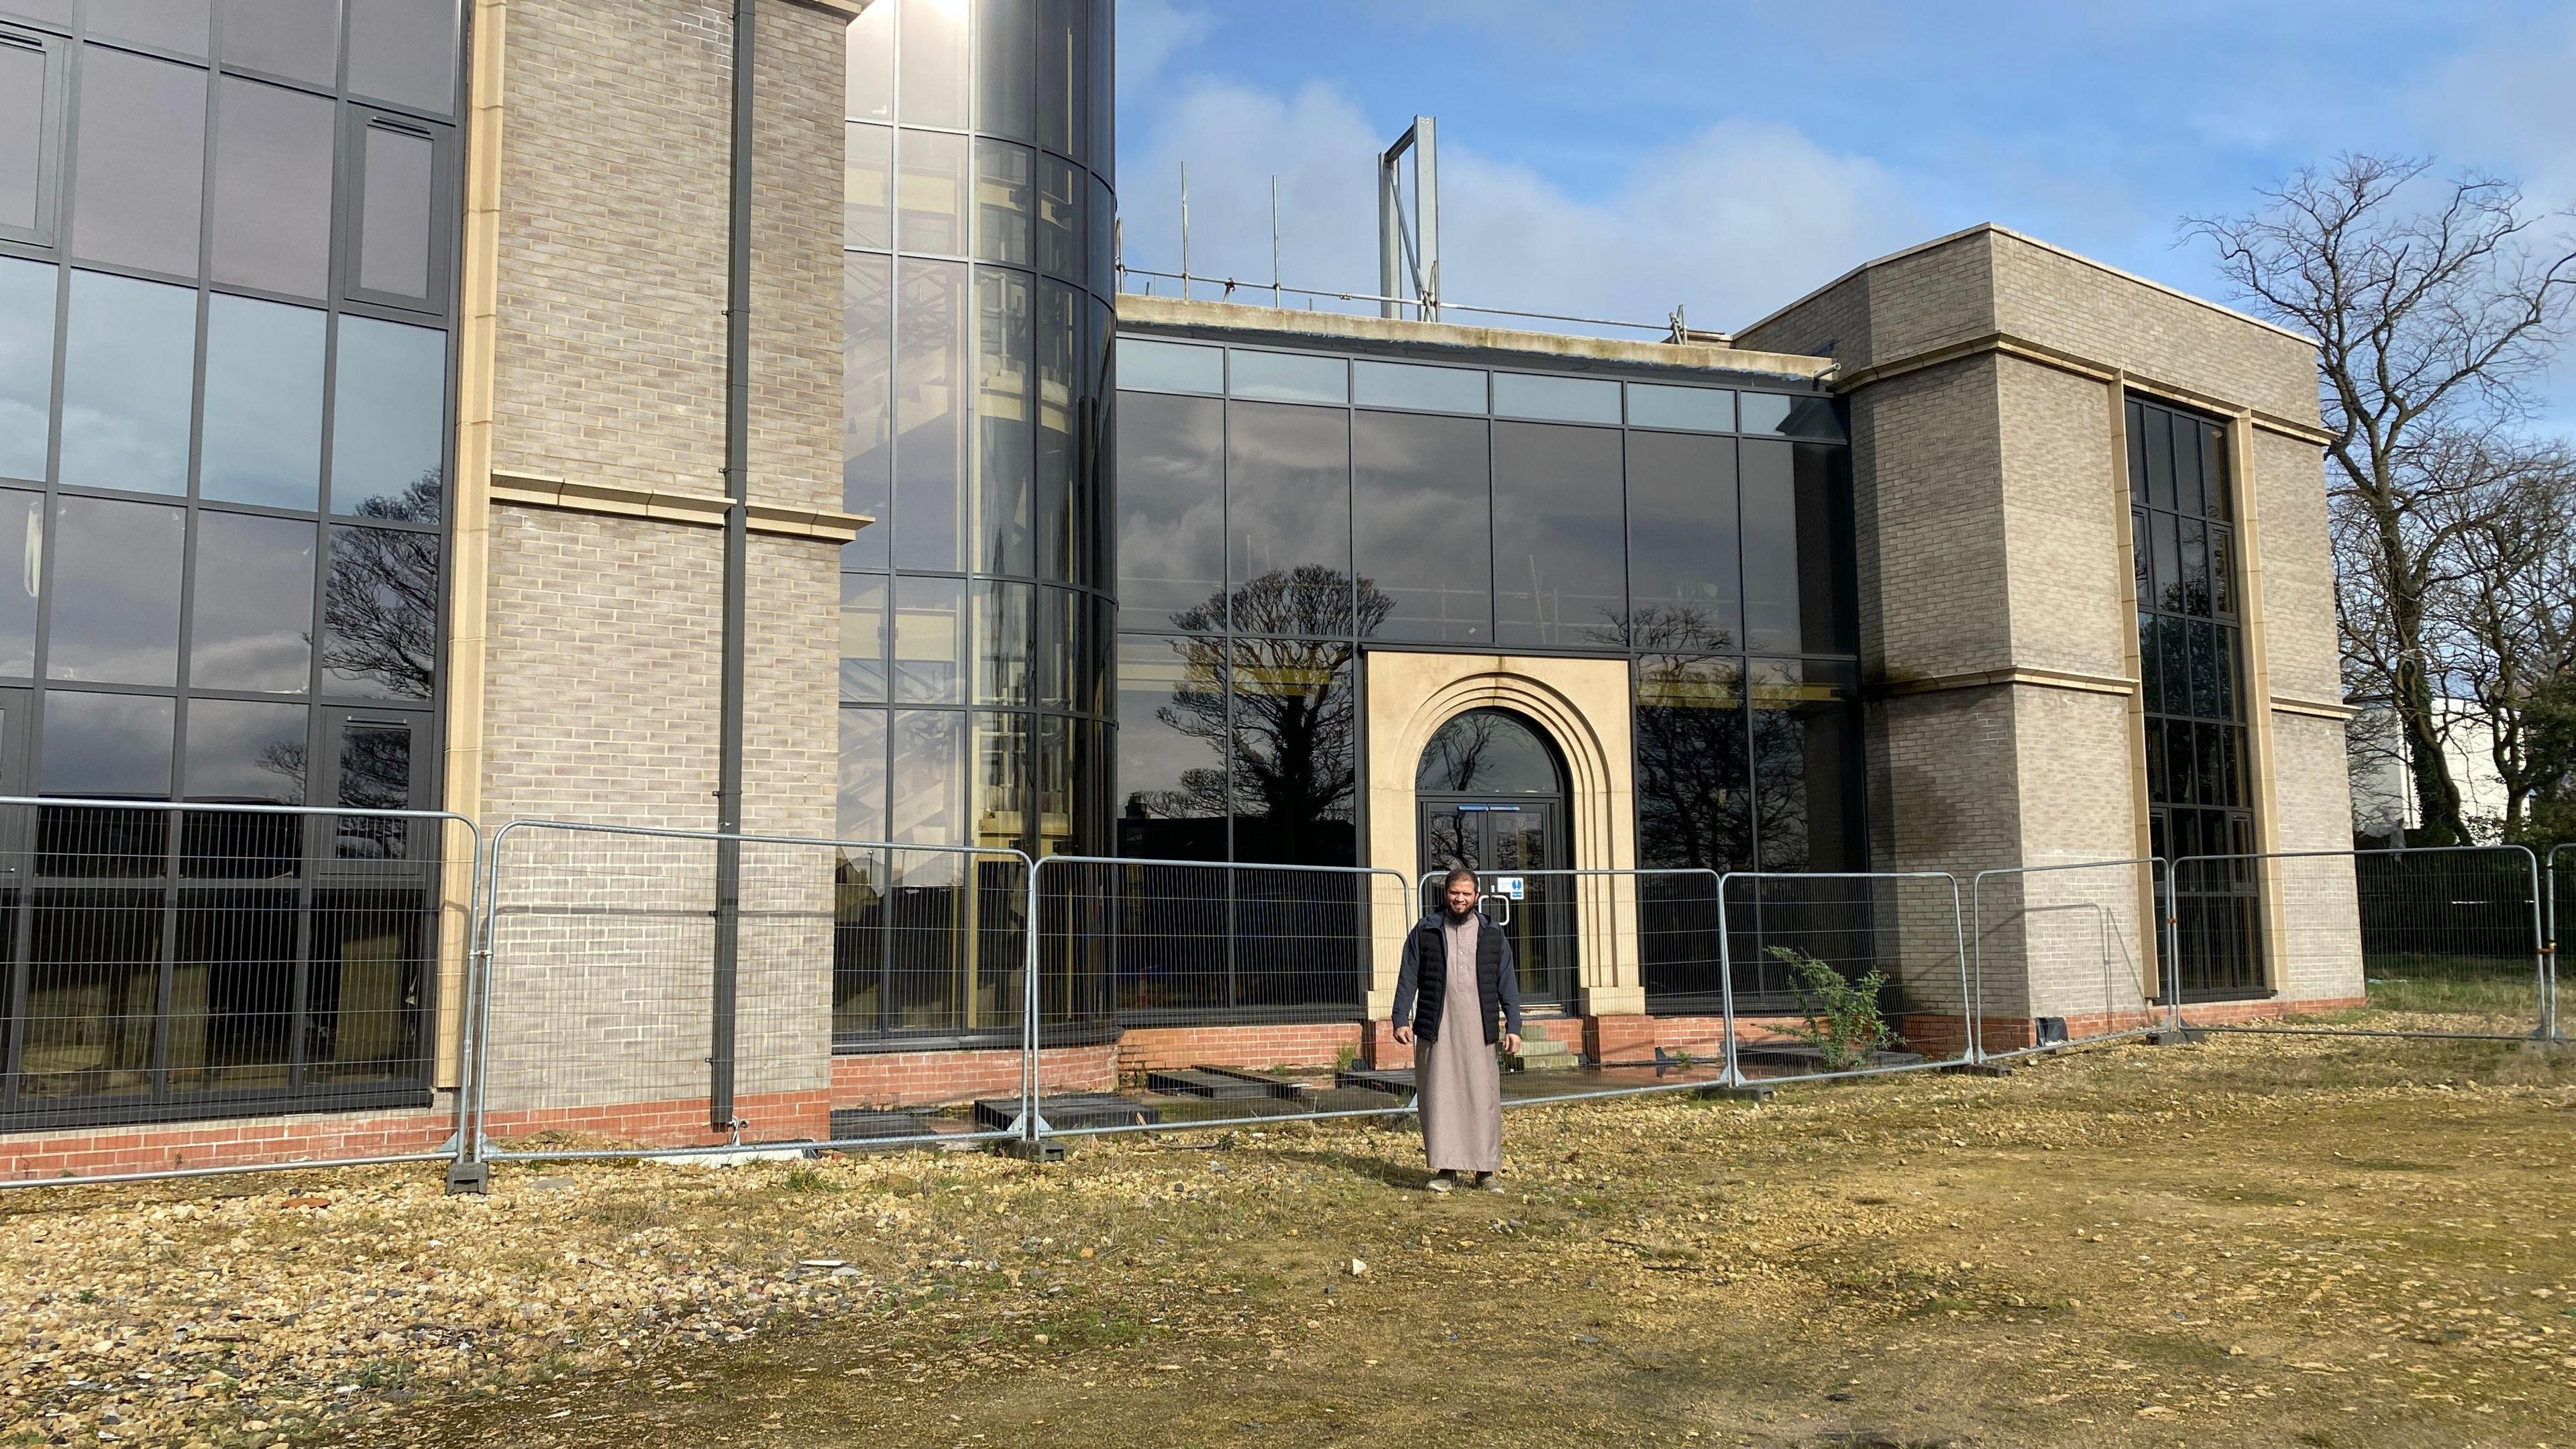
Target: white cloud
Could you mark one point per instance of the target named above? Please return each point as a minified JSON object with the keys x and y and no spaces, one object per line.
{"x":1733,"y":220}
{"x":2505,"y":105}
{"x":1149,"y":32}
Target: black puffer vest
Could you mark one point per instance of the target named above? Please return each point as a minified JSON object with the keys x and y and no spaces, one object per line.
{"x":1431,"y":977}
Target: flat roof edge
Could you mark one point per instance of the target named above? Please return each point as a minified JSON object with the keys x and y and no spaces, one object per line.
{"x":1342,"y":326}
{"x":2027,"y":239}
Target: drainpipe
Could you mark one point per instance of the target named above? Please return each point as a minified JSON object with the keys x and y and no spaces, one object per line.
{"x":728,"y":946}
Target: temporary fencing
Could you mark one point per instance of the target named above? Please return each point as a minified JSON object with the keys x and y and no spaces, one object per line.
{"x":2561,"y":920}
{"x":2074,"y":948}
{"x":177,"y":976}
{"x":1897,"y":939}
{"x":652,"y":992}
{"x":1138,"y":956}
{"x":2451,"y":941}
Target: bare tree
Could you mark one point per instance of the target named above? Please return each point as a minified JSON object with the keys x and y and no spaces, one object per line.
{"x":2434,"y":304}
{"x":2502,"y":625}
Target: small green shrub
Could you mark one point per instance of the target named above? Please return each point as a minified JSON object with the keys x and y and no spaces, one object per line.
{"x":1842,"y":1018}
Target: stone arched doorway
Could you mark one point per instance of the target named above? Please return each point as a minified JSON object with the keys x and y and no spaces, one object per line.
{"x":1580,"y":708}
{"x":1489,"y":794}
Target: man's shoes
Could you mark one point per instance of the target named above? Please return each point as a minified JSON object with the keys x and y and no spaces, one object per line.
{"x":1442,"y":1181}
{"x":1487,"y":1182}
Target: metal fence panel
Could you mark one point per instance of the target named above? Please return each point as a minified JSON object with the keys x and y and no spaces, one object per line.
{"x":1905,"y":929}
{"x":2446,"y":941}
{"x":187,"y":987}
{"x":2066,"y":954}
{"x":2561,"y":923}
{"x":1134,"y":961}
{"x":609,"y":1024}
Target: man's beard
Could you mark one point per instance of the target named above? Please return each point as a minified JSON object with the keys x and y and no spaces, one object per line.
{"x":1458,"y":915}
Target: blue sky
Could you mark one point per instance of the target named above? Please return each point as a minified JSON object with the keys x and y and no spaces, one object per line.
{"x":1618,"y":156}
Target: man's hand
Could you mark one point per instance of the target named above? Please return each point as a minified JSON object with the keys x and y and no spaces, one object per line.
{"x":1512,"y":1043}
{"x":1404,"y":1036}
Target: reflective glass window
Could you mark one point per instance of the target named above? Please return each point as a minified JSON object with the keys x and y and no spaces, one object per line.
{"x":1006,"y":67}
{"x":931,"y":412}
{"x":1697,"y":409}
{"x":1005,"y":623}
{"x":388,"y":434}
{"x":930,"y":192}
{"x":1101,"y":226}
{"x":52,"y":12}
{"x":1101,"y":150}
{"x":1288,"y":529}
{"x":262,"y":435}
{"x":404,"y":51}
{"x":1694,"y":776}
{"x":929,"y":641}
{"x":931,"y":60}
{"x":1169,"y":366}
{"x":178,"y":25}
{"x":22,"y":557}
{"x":23,"y":71}
{"x":1295,"y":731}
{"x":859,"y":804}
{"x":106,"y":746}
{"x":1772,"y":586}
{"x":1684,"y":585}
{"x":1059,"y":338}
{"x":1813,"y":417}
{"x":298,"y":39}
{"x":380,"y":614}
{"x":1420,"y":512}
{"x":26,"y":365}
{"x":1058,"y":57}
{"x":1005,"y":537}
{"x":867,"y":404}
{"x":1806,"y":765}
{"x":244,"y":753}
{"x":126,"y":380}
{"x":272,"y":188}
{"x":869,"y":56}
{"x":1412,"y":385}
{"x":1171,"y":748}
{"x":1171,"y":509}
{"x":867,"y":181}
{"x":116,"y":571}
{"x":1003,"y":187}
{"x":1059,"y":229}
{"x":394,"y":212}
{"x":1556,"y":399}
{"x":1061,"y":617}
{"x":139,"y":172}
{"x":928,"y":777}
{"x":1003,"y":797}
{"x":375,"y":761}
{"x":1560,"y":575}
{"x":1762,"y":412}
{"x":863,"y":631}
{"x":1288,"y":377}
{"x":252,"y":626}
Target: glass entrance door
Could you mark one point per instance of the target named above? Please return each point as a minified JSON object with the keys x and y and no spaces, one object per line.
{"x":1499,"y":839}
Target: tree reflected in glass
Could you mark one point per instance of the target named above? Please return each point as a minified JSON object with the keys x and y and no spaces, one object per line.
{"x":380,"y":601}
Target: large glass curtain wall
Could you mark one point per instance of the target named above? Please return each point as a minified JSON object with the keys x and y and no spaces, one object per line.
{"x":2190,"y":653}
{"x":974,"y":613}
{"x":1278,"y":512}
{"x":227,"y":237}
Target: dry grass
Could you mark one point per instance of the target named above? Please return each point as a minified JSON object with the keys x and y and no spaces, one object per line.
{"x":2259,"y":1241}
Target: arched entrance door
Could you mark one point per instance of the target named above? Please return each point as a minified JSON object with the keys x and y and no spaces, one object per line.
{"x":1491,"y":794}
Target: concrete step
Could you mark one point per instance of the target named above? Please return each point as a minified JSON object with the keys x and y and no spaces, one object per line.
{"x":1540,"y":1054}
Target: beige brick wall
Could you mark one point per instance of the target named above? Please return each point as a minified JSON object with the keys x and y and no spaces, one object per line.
{"x":603,"y":672}
{"x":1929,"y":524}
{"x":1990,"y":490}
{"x":2063,"y":492}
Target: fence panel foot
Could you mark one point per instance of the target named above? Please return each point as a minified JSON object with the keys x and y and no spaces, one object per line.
{"x":1041,"y":1149}
{"x":2175,"y":1036}
{"x":1756,"y":1093}
{"x":469,"y":1178}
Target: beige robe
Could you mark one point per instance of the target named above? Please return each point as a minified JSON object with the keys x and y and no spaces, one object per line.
{"x":1460,"y":1082}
